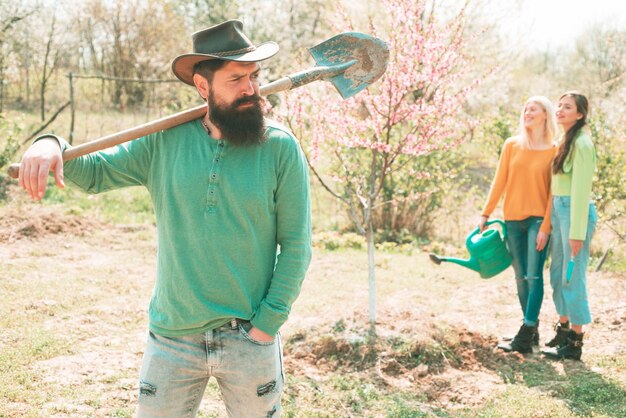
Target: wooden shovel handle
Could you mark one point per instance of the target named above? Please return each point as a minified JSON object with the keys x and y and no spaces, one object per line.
{"x":125,"y":136}
{"x":149,"y":127}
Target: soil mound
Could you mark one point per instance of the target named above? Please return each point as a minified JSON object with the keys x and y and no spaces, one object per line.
{"x":415,"y":349}
{"x":38,"y":222}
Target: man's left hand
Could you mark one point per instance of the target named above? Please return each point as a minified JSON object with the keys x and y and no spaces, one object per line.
{"x":258,"y":335}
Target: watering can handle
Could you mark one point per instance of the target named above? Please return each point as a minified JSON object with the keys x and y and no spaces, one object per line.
{"x":502,"y":225}
{"x":477,"y":230}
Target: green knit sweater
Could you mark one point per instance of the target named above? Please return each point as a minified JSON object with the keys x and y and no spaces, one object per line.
{"x":234,"y":223}
{"x":575,"y":181}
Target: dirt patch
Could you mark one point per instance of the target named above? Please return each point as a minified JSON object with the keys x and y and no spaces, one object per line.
{"x":442,"y":361}
{"x":39,"y":222}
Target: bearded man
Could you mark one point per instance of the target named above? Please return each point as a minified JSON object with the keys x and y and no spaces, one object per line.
{"x":228,"y":190}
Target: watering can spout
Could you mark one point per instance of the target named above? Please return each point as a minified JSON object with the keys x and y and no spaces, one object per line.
{"x":470,"y":264}
{"x":489,"y":255}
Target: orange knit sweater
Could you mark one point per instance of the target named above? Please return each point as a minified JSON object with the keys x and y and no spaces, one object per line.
{"x":523,"y":176}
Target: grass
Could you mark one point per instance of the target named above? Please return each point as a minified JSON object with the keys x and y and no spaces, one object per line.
{"x":578,"y":393}
{"x":339,"y":396}
{"x":19,"y":383}
{"x":126,"y":206}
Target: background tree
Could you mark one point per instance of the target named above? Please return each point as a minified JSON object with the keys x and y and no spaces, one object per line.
{"x":11,"y":14}
{"x":608,"y":185}
{"x":131,"y":40}
{"x":368,"y":143}
{"x":599,"y":62}
{"x":50,"y":61}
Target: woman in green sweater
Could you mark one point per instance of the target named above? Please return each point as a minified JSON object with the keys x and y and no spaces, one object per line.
{"x":574,"y":220}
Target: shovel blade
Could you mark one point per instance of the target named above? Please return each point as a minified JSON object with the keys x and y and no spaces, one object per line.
{"x":371,"y":56}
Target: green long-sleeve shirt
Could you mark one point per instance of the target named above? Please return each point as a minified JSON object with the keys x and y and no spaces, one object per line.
{"x":575,"y":181}
{"x":234,"y":223}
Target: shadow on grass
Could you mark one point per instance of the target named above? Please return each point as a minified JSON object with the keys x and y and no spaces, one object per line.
{"x":584,"y":391}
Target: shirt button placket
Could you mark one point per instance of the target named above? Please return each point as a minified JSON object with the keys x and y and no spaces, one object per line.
{"x":211,"y":198}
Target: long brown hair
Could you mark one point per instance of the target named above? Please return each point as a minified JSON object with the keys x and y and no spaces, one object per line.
{"x":582,"y":107}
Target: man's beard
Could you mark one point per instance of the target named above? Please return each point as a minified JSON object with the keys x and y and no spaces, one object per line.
{"x":239,"y":127}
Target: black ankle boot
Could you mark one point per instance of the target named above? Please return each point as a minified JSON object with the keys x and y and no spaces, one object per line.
{"x":572,"y":349}
{"x":522,"y":342}
{"x":560,"y":338}
{"x":509,"y":338}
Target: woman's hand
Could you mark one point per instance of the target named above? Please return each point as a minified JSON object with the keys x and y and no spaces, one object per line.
{"x":542,"y":240}
{"x":575,"y":246}
{"x":482,"y":223}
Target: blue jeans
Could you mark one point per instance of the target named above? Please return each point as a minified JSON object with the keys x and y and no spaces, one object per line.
{"x":527,"y":264}
{"x":175,"y":372}
{"x":570,"y":299}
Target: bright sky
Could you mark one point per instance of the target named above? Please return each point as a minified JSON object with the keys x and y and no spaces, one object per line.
{"x":544,"y":24}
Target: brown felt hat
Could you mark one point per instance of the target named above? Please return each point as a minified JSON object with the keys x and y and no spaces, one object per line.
{"x":225,"y":41}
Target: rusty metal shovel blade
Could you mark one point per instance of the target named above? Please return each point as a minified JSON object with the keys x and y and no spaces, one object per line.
{"x":370,"y":56}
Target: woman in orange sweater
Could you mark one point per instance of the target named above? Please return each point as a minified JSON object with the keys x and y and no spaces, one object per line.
{"x":523,"y":177}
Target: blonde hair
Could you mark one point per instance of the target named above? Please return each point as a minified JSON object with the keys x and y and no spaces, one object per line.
{"x":550,"y":127}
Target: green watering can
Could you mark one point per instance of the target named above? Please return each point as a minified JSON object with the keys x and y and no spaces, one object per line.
{"x":488,"y":253}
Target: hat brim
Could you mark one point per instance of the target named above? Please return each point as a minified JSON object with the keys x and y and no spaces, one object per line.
{"x":182,"y":66}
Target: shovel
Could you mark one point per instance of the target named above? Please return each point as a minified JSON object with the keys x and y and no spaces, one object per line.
{"x":351,"y":61}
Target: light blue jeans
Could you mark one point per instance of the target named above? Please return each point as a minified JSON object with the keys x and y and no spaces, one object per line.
{"x":175,"y":372}
{"x":570,"y":299}
{"x":527,"y":264}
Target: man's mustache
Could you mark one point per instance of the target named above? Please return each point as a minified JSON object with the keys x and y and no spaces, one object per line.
{"x":255,"y":98}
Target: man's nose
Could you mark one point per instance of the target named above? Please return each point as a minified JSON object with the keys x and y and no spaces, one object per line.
{"x":248,"y":88}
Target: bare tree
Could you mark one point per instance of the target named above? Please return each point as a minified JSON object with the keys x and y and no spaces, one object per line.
{"x":130,"y":39}
{"x":600,"y":58}
{"x":50,"y":61}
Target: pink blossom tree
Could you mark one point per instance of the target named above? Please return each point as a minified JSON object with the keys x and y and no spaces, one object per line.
{"x":412,"y":111}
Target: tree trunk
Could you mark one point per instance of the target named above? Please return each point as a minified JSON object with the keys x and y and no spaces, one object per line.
{"x":43,"y":98}
{"x":1,"y":91}
{"x":27,"y":88}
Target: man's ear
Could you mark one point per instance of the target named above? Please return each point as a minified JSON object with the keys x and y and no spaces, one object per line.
{"x":202,"y":85}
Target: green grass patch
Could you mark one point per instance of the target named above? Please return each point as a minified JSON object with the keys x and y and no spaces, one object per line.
{"x":578,"y":391}
{"x":519,"y":401}
{"x":124,"y":206}
{"x":353,"y":396}
{"x":589,"y":393}
{"x":19,"y":381}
